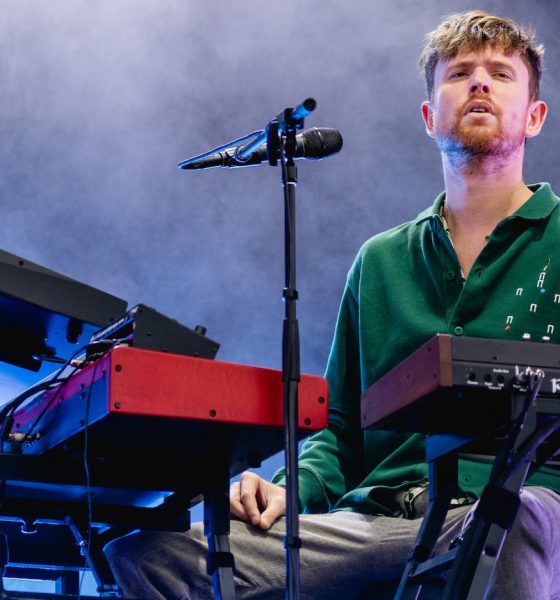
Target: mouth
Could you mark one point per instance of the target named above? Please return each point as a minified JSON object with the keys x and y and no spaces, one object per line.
{"x":479,"y":108}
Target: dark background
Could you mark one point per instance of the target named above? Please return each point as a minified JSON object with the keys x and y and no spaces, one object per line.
{"x":100,"y":99}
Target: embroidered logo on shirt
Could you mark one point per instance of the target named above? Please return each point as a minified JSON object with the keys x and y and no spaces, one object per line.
{"x":534,"y":300}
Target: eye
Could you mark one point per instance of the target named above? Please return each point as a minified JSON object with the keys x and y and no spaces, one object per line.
{"x":502,"y":75}
{"x":458,"y":74}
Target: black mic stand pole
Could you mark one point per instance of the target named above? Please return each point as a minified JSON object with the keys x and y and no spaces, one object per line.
{"x":281,"y":143}
{"x":292,"y":120}
{"x":290,"y":374}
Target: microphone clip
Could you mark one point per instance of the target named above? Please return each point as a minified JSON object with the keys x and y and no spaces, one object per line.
{"x":287,"y":121}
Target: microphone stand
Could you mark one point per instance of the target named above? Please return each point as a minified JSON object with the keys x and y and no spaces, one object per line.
{"x":281,"y":142}
{"x":290,"y":365}
{"x":280,"y":138}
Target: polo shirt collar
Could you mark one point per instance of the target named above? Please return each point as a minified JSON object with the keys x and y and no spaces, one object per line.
{"x":538,"y":207}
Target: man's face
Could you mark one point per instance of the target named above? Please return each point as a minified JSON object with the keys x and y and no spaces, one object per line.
{"x":480,"y":105}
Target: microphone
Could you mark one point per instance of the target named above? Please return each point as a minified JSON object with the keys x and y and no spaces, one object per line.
{"x":313,"y":144}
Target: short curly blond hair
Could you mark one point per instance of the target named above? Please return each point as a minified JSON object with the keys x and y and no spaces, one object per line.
{"x":474,"y":30}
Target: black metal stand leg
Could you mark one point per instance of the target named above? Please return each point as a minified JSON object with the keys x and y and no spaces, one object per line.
{"x":472,"y":572}
{"x":220,"y":563}
{"x":93,"y":558}
{"x":443,"y":486}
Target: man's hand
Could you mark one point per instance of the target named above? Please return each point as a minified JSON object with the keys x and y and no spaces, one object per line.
{"x":256,"y":500}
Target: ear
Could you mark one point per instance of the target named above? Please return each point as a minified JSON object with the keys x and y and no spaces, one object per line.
{"x":428,"y":116}
{"x":535,"y":118}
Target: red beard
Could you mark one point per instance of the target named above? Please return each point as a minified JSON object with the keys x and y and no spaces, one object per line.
{"x":479,"y":139}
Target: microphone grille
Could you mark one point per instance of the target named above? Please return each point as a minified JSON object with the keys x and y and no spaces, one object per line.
{"x":320,"y":142}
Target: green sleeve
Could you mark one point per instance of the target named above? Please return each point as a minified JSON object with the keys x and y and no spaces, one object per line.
{"x":331,"y":462}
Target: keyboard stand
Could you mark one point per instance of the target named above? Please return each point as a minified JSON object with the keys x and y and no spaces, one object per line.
{"x":220,"y":562}
{"x":471,"y":561}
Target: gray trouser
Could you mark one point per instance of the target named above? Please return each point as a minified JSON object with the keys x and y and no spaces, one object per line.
{"x":344,"y":555}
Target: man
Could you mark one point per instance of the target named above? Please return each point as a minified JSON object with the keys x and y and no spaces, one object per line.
{"x":481,"y":262}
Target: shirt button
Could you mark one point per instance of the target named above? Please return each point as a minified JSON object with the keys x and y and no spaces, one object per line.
{"x":480,"y":272}
{"x":450,"y":276}
{"x":458,"y":330}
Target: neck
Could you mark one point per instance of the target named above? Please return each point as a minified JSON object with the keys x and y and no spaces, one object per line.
{"x":482,"y":192}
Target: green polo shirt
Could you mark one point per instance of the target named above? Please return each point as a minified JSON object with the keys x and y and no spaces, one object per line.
{"x":404,"y":286}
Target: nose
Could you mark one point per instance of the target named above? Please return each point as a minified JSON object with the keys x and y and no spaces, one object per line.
{"x":480,"y":81}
